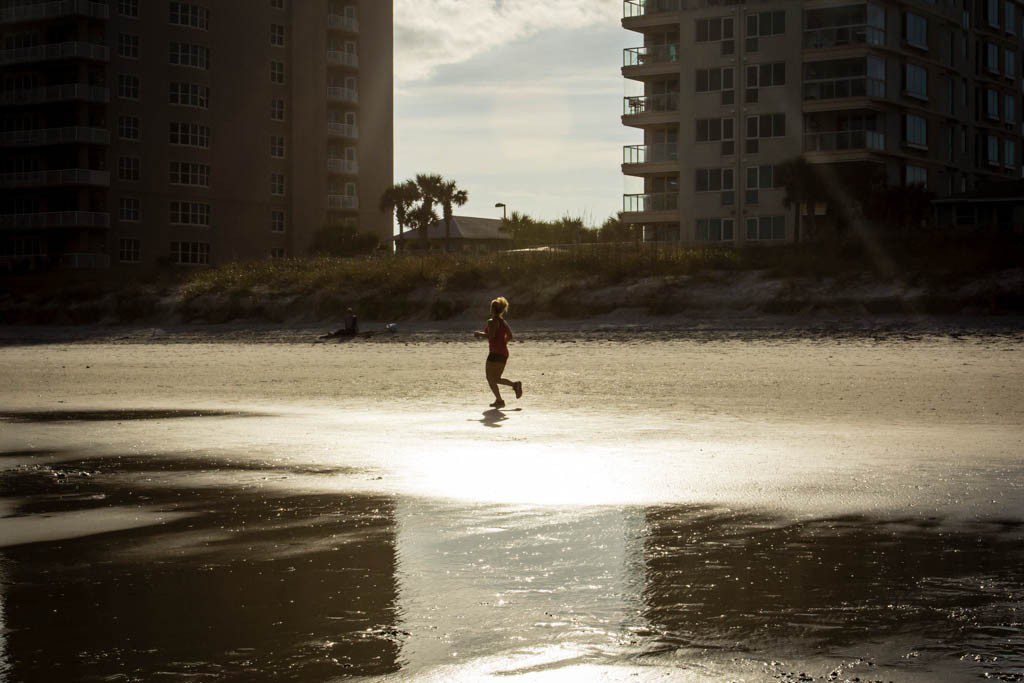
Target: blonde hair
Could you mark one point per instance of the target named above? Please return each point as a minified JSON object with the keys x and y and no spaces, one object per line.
{"x":499,"y":306}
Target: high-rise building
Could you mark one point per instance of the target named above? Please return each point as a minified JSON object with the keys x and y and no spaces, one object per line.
{"x":917,"y":92}
{"x":147,"y":132}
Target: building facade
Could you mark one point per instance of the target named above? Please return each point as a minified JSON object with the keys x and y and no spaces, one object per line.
{"x":141,"y":133}
{"x":914,"y":92}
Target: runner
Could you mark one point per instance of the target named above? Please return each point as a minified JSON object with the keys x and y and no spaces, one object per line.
{"x":498,"y":335}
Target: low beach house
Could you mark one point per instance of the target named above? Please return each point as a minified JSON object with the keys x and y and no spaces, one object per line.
{"x":467,"y":234}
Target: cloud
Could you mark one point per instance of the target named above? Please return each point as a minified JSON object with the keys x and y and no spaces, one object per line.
{"x":432,"y":33}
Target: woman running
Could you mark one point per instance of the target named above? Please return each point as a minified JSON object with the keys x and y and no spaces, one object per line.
{"x":498,"y":335}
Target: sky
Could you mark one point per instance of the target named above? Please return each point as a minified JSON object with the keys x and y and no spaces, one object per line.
{"x":517,"y":100}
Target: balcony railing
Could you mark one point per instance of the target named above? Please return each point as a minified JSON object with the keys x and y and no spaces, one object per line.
{"x":69,"y":176}
{"x":643,"y":8}
{"x":349,"y":59}
{"x":84,"y":261}
{"x":54,"y":136}
{"x":648,"y":104}
{"x":42,"y":53}
{"x":343,"y":23}
{"x":53,"y":10}
{"x":652,"y":54}
{"x":838,"y":88}
{"x":658,"y":201}
{"x":56,"y":93}
{"x":343,"y":130}
{"x":650,"y":154}
{"x":336,"y":165}
{"x":340,"y":94}
{"x":839,"y":36}
{"x":841,"y":141}
{"x":56,"y":219}
{"x":342,"y":201}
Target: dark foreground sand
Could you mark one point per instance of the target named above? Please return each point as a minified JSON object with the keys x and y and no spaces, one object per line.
{"x":721,"y":506}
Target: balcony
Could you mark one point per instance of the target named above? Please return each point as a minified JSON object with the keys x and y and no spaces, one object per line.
{"x":56,"y":93}
{"x":55,"y":219}
{"x":340,"y":22}
{"x":657,"y":202}
{"x":348,"y":131}
{"x":343,"y":166}
{"x":54,"y":136}
{"x":633,"y":9}
{"x":840,"y":88}
{"x":339,"y":58}
{"x":842,"y":36}
{"x":340,"y":94}
{"x":54,"y":10}
{"x":647,"y":109}
{"x":656,"y":158}
{"x":55,"y":51}
{"x":342,"y":202}
{"x":844,"y":141}
{"x":66,"y":177}
{"x":650,"y":60}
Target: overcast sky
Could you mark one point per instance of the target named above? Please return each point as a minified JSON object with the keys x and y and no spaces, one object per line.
{"x":517,"y":100}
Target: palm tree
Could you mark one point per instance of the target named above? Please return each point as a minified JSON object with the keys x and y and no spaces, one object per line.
{"x":429,"y":185}
{"x":449,"y":196}
{"x":402,"y":198}
{"x":803,"y":188}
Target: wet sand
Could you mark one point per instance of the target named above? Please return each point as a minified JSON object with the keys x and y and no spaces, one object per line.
{"x":732,"y":507}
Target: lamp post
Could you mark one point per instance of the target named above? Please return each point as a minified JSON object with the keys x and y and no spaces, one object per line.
{"x":504,"y":210}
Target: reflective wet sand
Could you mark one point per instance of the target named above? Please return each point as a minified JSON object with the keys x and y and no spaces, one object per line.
{"x":741,"y":509}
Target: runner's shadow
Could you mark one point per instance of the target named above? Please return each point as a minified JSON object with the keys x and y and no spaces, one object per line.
{"x":495,"y":416}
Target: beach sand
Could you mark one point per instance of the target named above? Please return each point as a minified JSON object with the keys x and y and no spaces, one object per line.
{"x":708,"y":505}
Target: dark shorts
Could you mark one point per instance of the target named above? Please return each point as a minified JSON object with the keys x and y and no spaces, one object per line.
{"x":496,"y":358}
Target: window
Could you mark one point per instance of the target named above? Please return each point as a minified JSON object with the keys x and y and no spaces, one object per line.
{"x":1009,"y":153}
{"x":276,"y":72}
{"x":915,"y":30}
{"x":189,"y":95}
{"x":277,"y":35}
{"x":1009,"y":62}
{"x":187,"y":14}
{"x":277,"y":252}
{"x":277,"y":184}
{"x":277,"y":223}
{"x":714,"y":179}
{"x":992,"y":12}
{"x":130,"y":251}
{"x":184,"y":54}
{"x":766,"y":75}
{"x":1010,"y":108}
{"x":128,"y":8}
{"x":185,"y":173}
{"x":992,"y":105}
{"x":190,"y":253}
{"x":713,"y":80}
{"x":992,"y":150}
{"x":277,"y":146}
{"x":761,"y":24}
{"x":129,"y":210}
{"x":714,"y":230}
{"x":128,"y":46}
{"x":277,"y":110}
{"x":128,"y":127}
{"x":992,"y":58}
{"x":1010,"y":23}
{"x":916,"y":81}
{"x":189,"y":135}
{"x":128,"y":169}
{"x":915,"y":175}
{"x":714,"y":130}
{"x":127,"y":87}
{"x":714,"y":29}
{"x":761,"y":178}
{"x":190,"y":213}
{"x":766,"y":126}
{"x":915,"y":131}
{"x":950,"y":95}
{"x":766,"y":228}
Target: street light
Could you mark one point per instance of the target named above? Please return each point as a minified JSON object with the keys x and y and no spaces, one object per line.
{"x":504,"y":210}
